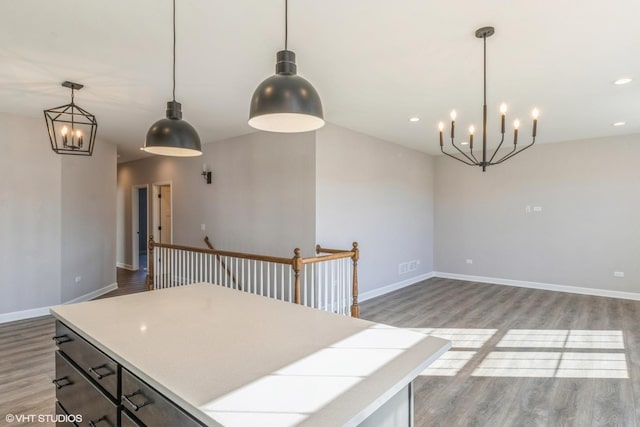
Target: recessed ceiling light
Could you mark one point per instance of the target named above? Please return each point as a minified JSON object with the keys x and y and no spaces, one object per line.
{"x":414,"y":119}
{"x":622,"y":81}
{"x":464,"y":143}
{"x":619,"y":123}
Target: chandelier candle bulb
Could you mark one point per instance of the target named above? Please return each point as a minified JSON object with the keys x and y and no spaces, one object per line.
{"x":453,"y":123}
{"x":441,"y":128}
{"x":64,"y":135}
{"x":503,"y":112}
{"x":516,"y":125}
{"x":535,"y":115}
{"x":471,"y":130}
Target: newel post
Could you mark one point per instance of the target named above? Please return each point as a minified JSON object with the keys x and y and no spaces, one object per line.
{"x":150,"y":262}
{"x":355,"y":308}
{"x":296,"y":264}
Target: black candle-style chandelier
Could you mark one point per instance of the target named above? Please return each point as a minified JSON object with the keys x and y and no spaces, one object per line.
{"x":470,"y":159}
{"x":72,"y":130}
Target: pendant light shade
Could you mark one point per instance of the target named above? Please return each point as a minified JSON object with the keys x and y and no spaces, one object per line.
{"x":173,"y":136}
{"x":286,"y":102}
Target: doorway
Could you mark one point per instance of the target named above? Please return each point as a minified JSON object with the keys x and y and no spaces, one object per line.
{"x":139,"y":226}
{"x":163,"y":212}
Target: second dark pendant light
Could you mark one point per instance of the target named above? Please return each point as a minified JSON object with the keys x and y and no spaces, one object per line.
{"x":173,"y":136}
{"x":286,"y":102}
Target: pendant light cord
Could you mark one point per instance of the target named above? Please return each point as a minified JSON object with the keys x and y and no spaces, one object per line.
{"x":286,"y":24}
{"x":174,"y":50}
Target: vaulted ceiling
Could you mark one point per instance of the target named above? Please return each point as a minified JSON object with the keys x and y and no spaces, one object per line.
{"x":375,"y":63}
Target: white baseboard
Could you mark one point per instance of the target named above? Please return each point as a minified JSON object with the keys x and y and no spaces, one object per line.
{"x":394,"y":287}
{"x":538,"y":285}
{"x":94,"y":294}
{"x":125,"y":266}
{"x":24,"y":314}
{"x":44,"y":311}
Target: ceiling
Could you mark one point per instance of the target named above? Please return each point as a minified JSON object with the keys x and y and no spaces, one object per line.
{"x":375,"y":63}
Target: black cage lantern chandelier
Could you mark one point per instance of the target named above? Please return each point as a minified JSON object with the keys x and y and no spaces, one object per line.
{"x":72,"y":129}
{"x":470,"y":159}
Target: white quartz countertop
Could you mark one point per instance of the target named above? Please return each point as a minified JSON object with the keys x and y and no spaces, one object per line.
{"x":235,"y":359}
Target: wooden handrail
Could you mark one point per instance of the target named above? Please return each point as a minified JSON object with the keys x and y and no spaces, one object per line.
{"x":321,"y":250}
{"x":296,"y":262}
{"x":223,"y":264}
{"x":279,"y":260}
{"x":332,"y":256}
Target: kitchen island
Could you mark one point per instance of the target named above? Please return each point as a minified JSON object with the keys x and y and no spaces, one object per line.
{"x":206,"y":355}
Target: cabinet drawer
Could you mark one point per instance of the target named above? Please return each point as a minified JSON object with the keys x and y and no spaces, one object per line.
{"x":61,"y":411}
{"x":128,"y":421}
{"x":78,"y":396}
{"x":92,"y":361}
{"x":149,"y":406}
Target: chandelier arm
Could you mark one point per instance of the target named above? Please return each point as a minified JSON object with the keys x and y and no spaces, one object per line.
{"x":503,"y":158}
{"x":496,"y":152}
{"x":510,"y":155}
{"x":474,"y":157}
{"x":463,"y":153}
{"x":454,"y":157}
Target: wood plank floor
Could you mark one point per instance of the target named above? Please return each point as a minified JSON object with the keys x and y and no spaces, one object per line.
{"x":27,"y":359}
{"x":535,"y":358}
{"x":485,"y":322}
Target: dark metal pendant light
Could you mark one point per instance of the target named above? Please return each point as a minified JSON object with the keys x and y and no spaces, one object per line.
{"x":470,"y":159}
{"x":173,"y":136}
{"x":286,"y":102}
{"x":72,"y":130}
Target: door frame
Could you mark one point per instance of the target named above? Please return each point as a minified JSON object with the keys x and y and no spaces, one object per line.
{"x":156,"y":209}
{"x":135,"y":212}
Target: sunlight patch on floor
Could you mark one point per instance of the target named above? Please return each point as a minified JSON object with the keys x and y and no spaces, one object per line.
{"x":553,"y":365}
{"x":449,"y":364}
{"x":460,"y":337}
{"x":562,"y":338}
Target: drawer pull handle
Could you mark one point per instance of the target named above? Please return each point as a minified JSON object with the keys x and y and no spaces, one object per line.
{"x":135,"y":407}
{"x":61,"y":339}
{"x":98,"y":375}
{"x":58,"y":380}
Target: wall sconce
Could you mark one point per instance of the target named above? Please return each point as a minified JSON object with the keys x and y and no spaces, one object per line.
{"x":206,"y":174}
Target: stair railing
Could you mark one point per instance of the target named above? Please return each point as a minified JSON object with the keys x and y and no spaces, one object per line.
{"x":327,"y":282}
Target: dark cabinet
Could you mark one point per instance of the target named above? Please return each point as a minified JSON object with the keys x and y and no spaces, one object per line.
{"x":149,"y":406}
{"x":81,"y":397}
{"x":94,"y":363}
{"x":91,"y":385}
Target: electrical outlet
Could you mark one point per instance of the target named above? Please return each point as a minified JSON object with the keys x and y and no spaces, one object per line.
{"x":413,"y":265}
{"x":202,"y":227}
{"x":469,"y":261}
{"x":527,"y":209}
{"x":618,"y":273}
{"x":403,"y":268}
{"x":537,"y":208}
{"x":78,"y":279}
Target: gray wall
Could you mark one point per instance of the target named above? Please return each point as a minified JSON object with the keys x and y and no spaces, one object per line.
{"x":588,"y":227}
{"x":30,"y":206}
{"x":88,"y":221}
{"x":57,"y":218}
{"x":380,"y":194}
{"x":261,"y":200}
